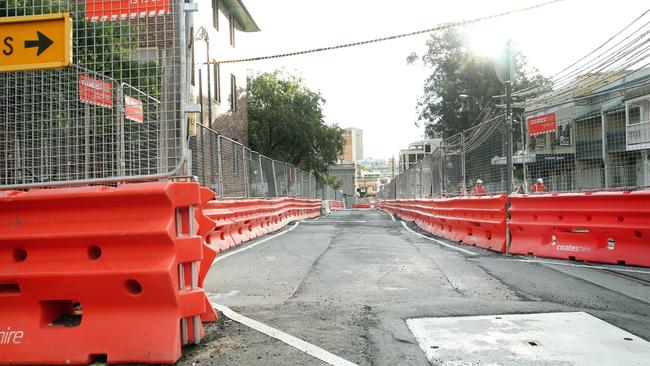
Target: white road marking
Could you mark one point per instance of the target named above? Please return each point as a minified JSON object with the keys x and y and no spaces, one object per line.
{"x":288,"y":339}
{"x":617,"y":269}
{"x":224,"y":256}
{"x":439,"y":241}
{"x":392,"y":217}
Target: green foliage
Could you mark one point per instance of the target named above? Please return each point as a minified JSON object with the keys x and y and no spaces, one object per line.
{"x":333,"y":182}
{"x":107,"y":47}
{"x":457,"y":70}
{"x":285,"y":122}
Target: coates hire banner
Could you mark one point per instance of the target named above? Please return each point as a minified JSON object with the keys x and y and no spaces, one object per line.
{"x":125,"y":9}
{"x":95,"y":92}
{"x":541,"y":124}
{"x":133,"y":109}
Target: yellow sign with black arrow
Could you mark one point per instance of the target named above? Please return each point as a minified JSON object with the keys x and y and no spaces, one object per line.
{"x":35,"y":42}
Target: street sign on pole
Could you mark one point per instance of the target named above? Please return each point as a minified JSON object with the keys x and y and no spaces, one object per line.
{"x":35,"y":42}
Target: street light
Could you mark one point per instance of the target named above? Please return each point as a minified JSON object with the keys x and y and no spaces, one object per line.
{"x":202,"y":35}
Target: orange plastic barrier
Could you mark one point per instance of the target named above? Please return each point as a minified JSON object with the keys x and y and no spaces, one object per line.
{"x":335,"y":205}
{"x":102,"y":274}
{"x":607,"y":227}
{"x":361,"y":205}
{"x":473,"y":220}
{"x":238,"y":221}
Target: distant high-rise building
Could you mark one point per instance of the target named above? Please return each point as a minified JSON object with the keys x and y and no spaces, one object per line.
{"x":416,"y":151}
{"x":353,"y":148}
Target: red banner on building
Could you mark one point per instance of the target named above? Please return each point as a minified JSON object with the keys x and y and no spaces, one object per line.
{"x":133,"y":109}
{"x":95,"y":92}
{"x":541,"y":124}
{"x":125,"y":9}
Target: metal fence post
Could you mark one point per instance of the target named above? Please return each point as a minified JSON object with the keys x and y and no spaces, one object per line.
{"x":247,"y":191}
{"x":259,"y":158}
{"x":463,"y":184}
{"x":219,"y":158}
{"x":275,"y":179}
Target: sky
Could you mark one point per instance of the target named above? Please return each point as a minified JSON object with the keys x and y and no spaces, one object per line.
{"x":373,"y":88}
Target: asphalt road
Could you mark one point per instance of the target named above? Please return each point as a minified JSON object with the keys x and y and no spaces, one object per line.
{"x":348,"y":282}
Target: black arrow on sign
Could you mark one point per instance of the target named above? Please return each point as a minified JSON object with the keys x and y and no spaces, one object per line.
{"x":42,"y":43}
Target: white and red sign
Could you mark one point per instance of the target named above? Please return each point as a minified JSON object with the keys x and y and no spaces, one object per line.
{"x":103,"y":10}
{"x":95,"y":92}
{"x":541,"y":124}
{"x":133,"y":109}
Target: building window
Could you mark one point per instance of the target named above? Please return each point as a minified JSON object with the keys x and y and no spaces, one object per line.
{"x":233,"y":92}
{"x":231,"y":21}
{"x":217,"y":82}
{"x":215,"y":14}
{"x":634,"y":115}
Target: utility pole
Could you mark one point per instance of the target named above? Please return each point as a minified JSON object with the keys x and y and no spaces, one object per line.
{"x":524,"y":153}
{"x":509,"y":150}
{"x":463,"y":184}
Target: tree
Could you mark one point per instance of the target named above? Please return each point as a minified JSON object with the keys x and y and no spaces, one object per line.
{"x":285,"y":122}
{"x":457,"y":70}
{"x":333,"y":182}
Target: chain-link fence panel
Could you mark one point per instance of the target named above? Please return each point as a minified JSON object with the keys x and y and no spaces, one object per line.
{"x":255,"y":177}
{"x":484,"y":158}
{"x":320,"y":191}
{"x":426,"y":177}
{"x":269,"y":177}
{"x":594,"y":147}
{"x":233,"y":169}
{"x":305,"y":184}
{"x":294,"y":181}
{"x":113,"y":114}
{"x":280,"y":178}
{"x":298,"y":182}
{"x":204,"y":146}
{"x":452,"y":165}
{"x":312,"y":186}
{"x":436,"y":173}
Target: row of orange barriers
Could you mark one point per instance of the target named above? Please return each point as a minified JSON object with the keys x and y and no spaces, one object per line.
{"x":238,"y":221}
{"x":602,"y":227}
{"x":335,"y":205}
{"x":361,"y":205}
{"x":116,"y":275}
{"x":473,"y":220}
{"x":103,"y":274}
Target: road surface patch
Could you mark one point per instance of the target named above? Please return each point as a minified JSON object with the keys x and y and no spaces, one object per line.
{"x":520,"y":339}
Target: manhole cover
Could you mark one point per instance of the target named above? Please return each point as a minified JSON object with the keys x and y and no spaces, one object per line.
{"x":528,"y":339}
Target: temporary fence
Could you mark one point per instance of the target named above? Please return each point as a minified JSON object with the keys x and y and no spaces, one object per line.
{"x":111,"y":115}
{"x":586,"y":129}
{"x":235,"y":171}
{"x":119,"y":112}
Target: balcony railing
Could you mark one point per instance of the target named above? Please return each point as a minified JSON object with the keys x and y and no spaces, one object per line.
{"x":638,"y":136}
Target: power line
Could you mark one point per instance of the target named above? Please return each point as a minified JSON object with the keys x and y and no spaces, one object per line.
{"x":393,"y":37}
{"x":568,"y":73}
